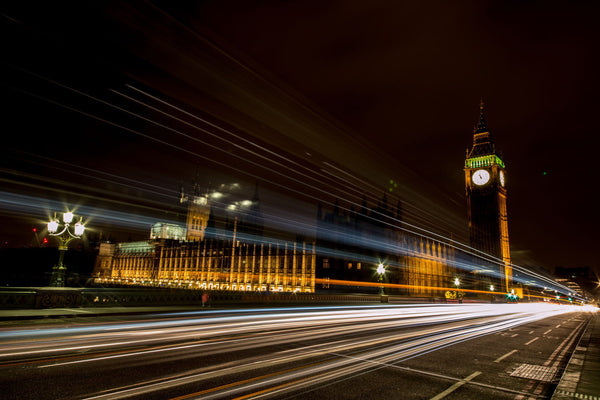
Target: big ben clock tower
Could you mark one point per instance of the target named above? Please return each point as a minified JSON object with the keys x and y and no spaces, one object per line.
{"x":485,"y":182}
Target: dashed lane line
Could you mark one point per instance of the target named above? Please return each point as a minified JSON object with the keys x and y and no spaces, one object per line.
{"x":510,"y":353}
{"x":531,"y":341}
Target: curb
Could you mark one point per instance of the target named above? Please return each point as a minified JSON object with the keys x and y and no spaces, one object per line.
{"x":567,"y":387}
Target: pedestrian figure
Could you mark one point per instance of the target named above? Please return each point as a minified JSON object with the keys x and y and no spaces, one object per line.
{"x":204,"y":299}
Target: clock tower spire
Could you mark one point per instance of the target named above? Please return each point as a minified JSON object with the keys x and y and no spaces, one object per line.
{"x":482,"y":138}
{"x":485,"y":180}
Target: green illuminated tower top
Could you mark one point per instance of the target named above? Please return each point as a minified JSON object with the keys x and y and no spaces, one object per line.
{"x":483,"y":152}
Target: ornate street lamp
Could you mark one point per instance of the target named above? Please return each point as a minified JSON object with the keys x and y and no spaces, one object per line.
{"x":457,"y":284}
{"x":64,"y":237}
{"x":380,"y":271}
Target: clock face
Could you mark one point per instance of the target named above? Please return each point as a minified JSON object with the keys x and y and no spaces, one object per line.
{"x":481,"y":177}
{"x":502,"y":178}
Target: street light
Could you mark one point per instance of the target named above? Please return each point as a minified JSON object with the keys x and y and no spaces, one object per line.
{"x":380,"y":271}
{"x":64,"y":237}
{"x":457,"y":284}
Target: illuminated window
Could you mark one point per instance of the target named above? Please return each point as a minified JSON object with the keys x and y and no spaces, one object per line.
{"x":326,"y":263}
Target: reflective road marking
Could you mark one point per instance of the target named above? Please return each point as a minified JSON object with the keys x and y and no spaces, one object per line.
{"x":504,"y":356}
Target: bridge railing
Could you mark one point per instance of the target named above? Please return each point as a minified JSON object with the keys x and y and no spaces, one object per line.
{"x":48,"y":297}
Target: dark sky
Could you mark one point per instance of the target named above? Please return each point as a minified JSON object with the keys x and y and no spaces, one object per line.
{"x":385,"y":90}
{"x":408,"y":76}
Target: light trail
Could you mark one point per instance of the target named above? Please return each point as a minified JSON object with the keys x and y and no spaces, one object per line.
{"x":39,"y":206}
{"x":30,"y":205}
{"x":323,"y":179}
{"x":262,"y":353}
{"x":350,"y":356}
{"x":317,"y":181}
{"x":206,"y":328}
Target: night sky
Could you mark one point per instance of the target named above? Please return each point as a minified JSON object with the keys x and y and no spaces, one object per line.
{"x":384,"y":90}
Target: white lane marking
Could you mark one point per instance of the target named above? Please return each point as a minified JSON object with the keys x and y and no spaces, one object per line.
{"x":548,"y":331}
{"x":515,"y":335}
{"x":531,"y":341}
{"x":504,"y":356}
{"x":455,"y":386}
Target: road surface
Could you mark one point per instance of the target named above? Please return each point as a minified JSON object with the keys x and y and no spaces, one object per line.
{"x":450,"y":351}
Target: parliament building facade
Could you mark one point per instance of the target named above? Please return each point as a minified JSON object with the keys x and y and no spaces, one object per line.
{"x":211,"y":253}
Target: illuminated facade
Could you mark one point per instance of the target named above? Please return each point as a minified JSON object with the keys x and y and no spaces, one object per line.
{"x":485,"y":182}
{"x":352,"y":243}
{"x":211,"y":264}
{"x":207,"y":256}
{"x":428,"y":265}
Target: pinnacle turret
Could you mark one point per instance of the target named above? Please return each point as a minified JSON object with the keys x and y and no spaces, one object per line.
{"x":482,"y":124}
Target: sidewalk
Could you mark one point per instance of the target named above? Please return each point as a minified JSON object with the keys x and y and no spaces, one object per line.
{"x":581,"y":379}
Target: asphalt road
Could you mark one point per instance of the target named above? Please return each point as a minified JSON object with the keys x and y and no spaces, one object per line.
{"x":468,"y":351}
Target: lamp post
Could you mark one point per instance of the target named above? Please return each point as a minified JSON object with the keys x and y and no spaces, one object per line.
{"x":491,"y":290}
{"x":457,"y":284}
{"x":64,"y":237}
{"x":380,"y":271}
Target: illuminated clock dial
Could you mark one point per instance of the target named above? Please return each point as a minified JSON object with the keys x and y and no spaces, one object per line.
{"x":502,"y":178}
{"x":481,"y":177}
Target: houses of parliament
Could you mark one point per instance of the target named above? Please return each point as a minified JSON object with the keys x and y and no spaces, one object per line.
{"x":217,"y":250}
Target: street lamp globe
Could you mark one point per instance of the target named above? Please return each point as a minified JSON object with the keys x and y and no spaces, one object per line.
{"x":456,"y":282}
{"x":68,"y":217}
{"x":53,"y":226}
{"x":79,"y":228}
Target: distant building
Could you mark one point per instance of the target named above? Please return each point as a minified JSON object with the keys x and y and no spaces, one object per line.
{"x":211,"y":253}
{"x":352,"y":243}
{"x":572,"y":285}
{"x":233,"y":254}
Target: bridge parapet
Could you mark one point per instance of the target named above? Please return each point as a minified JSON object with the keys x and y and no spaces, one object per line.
{"x":51,"y":297}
